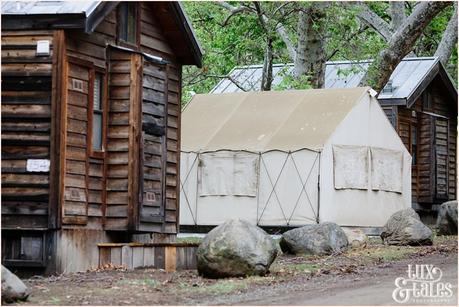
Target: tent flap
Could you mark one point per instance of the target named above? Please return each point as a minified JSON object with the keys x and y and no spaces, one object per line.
{"x":232,"y":173}
{"x":386,"y":169}
{"x":350,"y":165}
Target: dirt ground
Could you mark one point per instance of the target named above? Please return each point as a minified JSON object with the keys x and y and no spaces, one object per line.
{"x":293,"y":280}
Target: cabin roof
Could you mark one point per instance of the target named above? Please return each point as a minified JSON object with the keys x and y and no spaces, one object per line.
{"x":409,"y":78}
{"x":48,"y":7}
{"x":86,"y":15}
{"x":262,"y":121}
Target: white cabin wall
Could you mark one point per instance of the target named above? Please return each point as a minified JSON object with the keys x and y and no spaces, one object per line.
{"x":365,"y":125}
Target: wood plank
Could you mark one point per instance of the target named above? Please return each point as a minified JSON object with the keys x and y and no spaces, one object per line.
{"x":25,"y":179}
{"x":29,"y":69}
{"x":26,"y":111}
{"x":170,"y":258}
{"x":24,"y":152}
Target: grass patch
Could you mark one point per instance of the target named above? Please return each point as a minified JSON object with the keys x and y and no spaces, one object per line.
{"x":382,"y":253}
{"x":227,"y":286}
{"x":54,"y":301}
{"x":302,"y":267}
{"x":189,"y":240}
{"x":140,"y":282}
{"x":443,"y":239}
{"x":224,"y":286}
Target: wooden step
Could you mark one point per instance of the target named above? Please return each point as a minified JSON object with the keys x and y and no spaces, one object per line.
{"x":167,"y":256}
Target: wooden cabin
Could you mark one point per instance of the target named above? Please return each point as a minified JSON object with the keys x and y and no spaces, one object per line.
{"x":90,"y":127}
{"x":420,"y":100}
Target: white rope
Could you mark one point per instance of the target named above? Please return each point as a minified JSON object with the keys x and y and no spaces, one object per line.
{"x":274,"y":189}
{"x":304,"y":188}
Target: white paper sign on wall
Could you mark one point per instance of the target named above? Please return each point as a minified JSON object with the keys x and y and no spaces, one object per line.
{"x":38,"y":165}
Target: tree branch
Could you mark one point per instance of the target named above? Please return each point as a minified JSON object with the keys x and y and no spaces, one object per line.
{"x":401,"y":43}
{"x":373,"y":20}
{"x":280,"y":29}
{"x":448,"y":40}
{"x":397,"y":14}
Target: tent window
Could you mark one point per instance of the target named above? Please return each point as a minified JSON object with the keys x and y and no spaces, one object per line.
{"x":127,"y":22}
{"x":223,"y":174}
{"x":386,"y":169}
{"x":350,"y":166}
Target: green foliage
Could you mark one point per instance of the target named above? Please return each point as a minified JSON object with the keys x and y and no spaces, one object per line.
{"x":289,"y":82}
{"x":241,"y":41}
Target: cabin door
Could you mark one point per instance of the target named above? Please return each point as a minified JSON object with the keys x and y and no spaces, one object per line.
{"x":153,"y":147}
{"x":441,"y":129}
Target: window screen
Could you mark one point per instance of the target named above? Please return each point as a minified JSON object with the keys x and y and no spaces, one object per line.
{"x":97,"y":119}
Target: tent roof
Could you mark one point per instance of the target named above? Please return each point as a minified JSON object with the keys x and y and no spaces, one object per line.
{"x":407,"y":77}
{"x":262,"y":121}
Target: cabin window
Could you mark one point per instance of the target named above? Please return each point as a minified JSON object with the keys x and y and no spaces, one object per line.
{"x":127,"y":22}
{"x":414,"y":144}
{"x":98,"y":113}
{"x":426,"y":101}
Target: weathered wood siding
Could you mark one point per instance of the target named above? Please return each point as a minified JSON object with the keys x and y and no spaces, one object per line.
{"x":153,"y":41}
{"x":75,"y":196}
{"x":445,"y":140}
{"x":26,"y":129}
{"x":434,"y":175}
{"x":120,"y":208}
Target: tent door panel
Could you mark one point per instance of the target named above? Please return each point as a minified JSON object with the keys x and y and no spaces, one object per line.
{"x":153,"y":147}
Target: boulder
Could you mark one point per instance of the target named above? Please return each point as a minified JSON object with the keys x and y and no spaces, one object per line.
{"x":355,"y":237}
{"x":13,"y":288}
{"x":319,"y":239}
{"x":404,"y":227}
{"x":447,"y":218}
{"x":235,"y":248}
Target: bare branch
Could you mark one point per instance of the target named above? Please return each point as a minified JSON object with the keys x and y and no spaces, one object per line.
{"x":448,"y":40}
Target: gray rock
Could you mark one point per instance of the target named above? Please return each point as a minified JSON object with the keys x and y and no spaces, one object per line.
{"x":235,"y":248}
{"x":13,"y":288}
{"x":404,"y":227}
{"x":447,"y":218}
{"x":356,"y":237}
{"x":320,"y":239}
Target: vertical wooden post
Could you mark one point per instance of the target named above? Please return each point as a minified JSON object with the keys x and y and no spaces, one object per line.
{"x":170,"y":258}
{"x":126,"y":257}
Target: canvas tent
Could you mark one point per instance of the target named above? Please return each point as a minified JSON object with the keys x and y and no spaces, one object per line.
{"x":291,"y":158}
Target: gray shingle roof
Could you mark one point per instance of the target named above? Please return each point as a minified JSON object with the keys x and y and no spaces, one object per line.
{"x":48,"y":7}
{"x":340,"y":74}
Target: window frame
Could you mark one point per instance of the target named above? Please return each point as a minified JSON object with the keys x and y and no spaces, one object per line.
{"x":92,"y":152}
{"x":121,"y":41}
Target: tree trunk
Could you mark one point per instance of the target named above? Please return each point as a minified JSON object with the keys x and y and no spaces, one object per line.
{"x":267,"y":76}
{"x":448,"y":40}
{"x":401,"y":43}
{"x":310,"y":52}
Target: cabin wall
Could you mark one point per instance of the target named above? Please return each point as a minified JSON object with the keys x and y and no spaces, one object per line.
{"x":153,"y":41}
{"x":26,"y":129}
{"x":115,"y":209}
{"x":434,"y":175}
